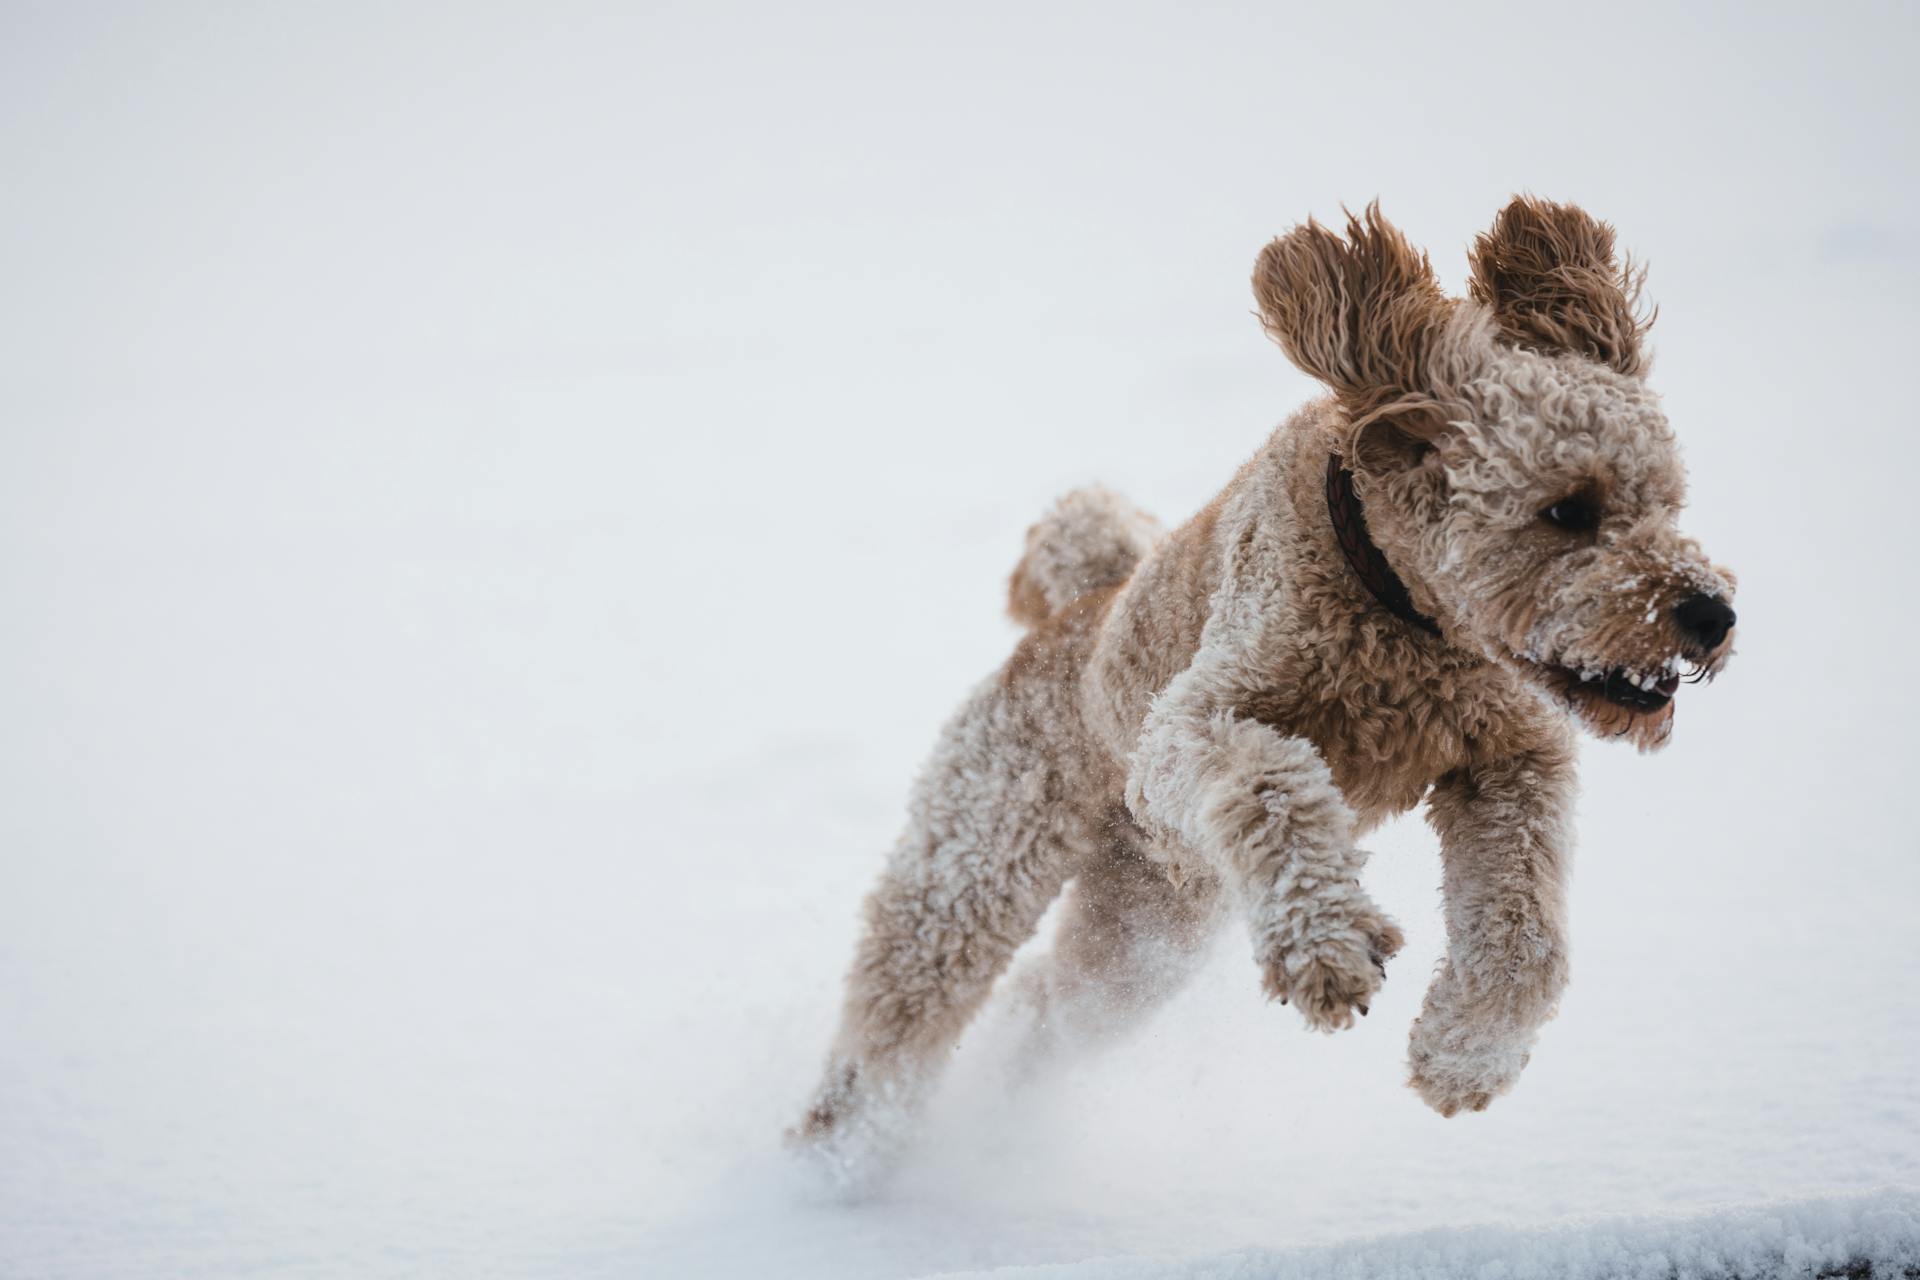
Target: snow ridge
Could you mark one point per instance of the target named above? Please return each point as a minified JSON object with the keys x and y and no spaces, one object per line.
{"x":1873,"y":1235}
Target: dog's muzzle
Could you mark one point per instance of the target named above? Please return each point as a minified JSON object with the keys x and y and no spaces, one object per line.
{"x":1705,"y":620}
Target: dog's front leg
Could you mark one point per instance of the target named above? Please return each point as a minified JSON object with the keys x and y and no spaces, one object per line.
{"x":1506,"y":847}
{"x":1261,"y":810}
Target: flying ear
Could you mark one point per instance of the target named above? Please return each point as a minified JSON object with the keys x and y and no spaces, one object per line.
{"x":1357,"y":312}
{"x":1548,"y":273}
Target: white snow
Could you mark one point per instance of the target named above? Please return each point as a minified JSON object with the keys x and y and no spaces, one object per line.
{"x":1801,"y":1238}
{"x":494,"y":506}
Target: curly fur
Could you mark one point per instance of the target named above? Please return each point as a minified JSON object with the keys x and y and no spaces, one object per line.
{"x":1313,"y":288}
{"x":1205,"y":722}
{"x":1548,"y":274}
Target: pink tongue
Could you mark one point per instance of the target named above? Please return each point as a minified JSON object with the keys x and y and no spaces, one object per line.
{"x":1668,"y":685}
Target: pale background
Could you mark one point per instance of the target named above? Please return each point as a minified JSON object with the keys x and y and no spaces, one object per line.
{"x":495,"y":502}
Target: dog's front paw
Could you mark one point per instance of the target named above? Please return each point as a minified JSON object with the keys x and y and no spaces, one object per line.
{"x":1476,"y":1031}
{"x":1451,"y":1081}
{"x":1330,"y":969}
{"x":1461,"y":1057}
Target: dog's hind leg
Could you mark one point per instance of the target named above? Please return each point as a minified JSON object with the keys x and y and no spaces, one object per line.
{"x":992,"y":837}
{"x":1128,"y":938}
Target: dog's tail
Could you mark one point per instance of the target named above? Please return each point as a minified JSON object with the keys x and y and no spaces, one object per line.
{"x":1090,"y":538}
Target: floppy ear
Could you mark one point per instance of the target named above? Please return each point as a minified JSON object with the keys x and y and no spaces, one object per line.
{"x":1548,"y":273}
{"x":1359,"y":313}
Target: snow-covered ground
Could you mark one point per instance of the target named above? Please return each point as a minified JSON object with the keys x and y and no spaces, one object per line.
{"x":495,"y":502}
{"x":1862,"y":1235}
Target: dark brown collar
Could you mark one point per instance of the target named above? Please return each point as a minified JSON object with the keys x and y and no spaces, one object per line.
{"x":1350,"y":531}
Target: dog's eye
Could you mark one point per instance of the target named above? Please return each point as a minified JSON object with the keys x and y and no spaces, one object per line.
{"x":1572,"y":513}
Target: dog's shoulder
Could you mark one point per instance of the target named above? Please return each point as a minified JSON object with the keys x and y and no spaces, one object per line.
{"x":1391,"y":712}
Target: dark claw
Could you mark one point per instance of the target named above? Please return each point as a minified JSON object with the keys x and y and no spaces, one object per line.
{"x":1362,"y":1008}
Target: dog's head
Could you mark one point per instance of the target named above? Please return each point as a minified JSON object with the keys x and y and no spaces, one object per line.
{"x":1515,"y":467}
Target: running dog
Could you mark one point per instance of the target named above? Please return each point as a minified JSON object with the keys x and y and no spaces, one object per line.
{"x":1415,"y":591}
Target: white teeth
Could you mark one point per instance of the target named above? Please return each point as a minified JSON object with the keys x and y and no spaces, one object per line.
{"x":1645,"y":681}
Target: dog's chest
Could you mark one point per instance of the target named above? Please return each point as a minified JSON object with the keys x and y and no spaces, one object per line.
{"x":1389,"y":730}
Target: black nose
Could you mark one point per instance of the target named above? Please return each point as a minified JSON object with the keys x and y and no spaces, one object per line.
{"x":1705,"y":619}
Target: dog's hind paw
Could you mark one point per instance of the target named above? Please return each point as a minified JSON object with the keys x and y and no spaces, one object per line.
{"x":1332,"y":971}
{"x":842,"y":1168}
{"x":854,"y":1132}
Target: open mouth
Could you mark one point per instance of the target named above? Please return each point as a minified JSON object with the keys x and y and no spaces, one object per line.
{"x":1636,"y":691}
{"x":1633,"y":702}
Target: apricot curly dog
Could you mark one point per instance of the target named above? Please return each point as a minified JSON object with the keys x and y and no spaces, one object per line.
{"x":1414,"y":590}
